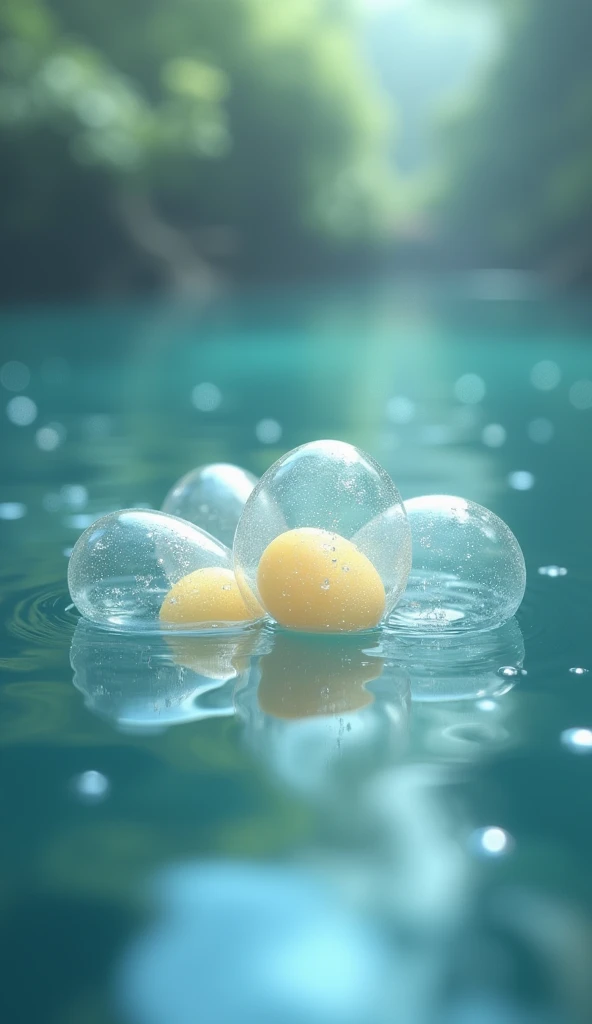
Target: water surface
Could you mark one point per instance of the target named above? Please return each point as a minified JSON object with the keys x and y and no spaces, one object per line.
{"x":271,"y":829}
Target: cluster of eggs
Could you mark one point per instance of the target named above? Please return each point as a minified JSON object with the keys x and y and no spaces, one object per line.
{"x":321,"y":543}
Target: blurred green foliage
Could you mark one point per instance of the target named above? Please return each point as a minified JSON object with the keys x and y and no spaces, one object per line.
{"x":520,"y":156}
{"x":138,"y":137}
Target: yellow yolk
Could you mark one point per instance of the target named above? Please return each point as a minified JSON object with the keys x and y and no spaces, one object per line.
{"x":207,"y":595}
{"x":299,"y":682}
{"x":318,"y":581}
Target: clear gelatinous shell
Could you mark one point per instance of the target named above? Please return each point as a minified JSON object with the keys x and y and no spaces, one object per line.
{"x":212,"y":497}
{"x":323,"y":543}
{"x":124,"y":565}
{"x":468,"y":568}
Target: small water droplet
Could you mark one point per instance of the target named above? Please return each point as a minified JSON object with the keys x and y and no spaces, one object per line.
{"x":491,"y":842}
{"x":345,"y":568}
{"x":521,"y":480}
{"x":552,"y":570}
{"x":579,"y":671}
{"x":508,"y":671}
{"x":579,"y":741}
{"x":325,"y":585}
{"x":227,"y":586}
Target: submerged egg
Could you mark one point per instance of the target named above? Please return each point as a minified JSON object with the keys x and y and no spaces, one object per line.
{"x":212,"y":497}
{"x":323,"y":543}
{"x":137,"y":569}
{"x":468,"y":568}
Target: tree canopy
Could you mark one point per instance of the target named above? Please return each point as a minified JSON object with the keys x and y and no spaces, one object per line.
{"x":137,"y":135}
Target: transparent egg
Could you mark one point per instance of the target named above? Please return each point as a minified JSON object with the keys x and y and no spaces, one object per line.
{"x":323,"y":543}
{"x":139,"y":569}
{"x":212,"y":497}
{"x":468,"y":568}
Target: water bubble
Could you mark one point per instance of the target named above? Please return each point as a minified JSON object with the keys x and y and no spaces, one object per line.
{"x":491,"y":841}
{"x":73,"y":496}
{"x":48,"y":438}
{"x":494,"y":435}
{"x":15,"y":376}
{"x":268,"y":431}
{"x":206,"y":397}
{"x":508,"y":671}
{"x":521,"y":480}
{"x":579,"y":741}
{"x":400,"y":410}
{"x":546,"y":375}
{"x":12,"y":510}
{"x":91,"y":786}
{"x":541,"y":430}
{"x":470,"y":389}
{"x":21,"y":411}
{"x":580,"y":394}
{"x":578,"y":671}
{"x":552,"y":570}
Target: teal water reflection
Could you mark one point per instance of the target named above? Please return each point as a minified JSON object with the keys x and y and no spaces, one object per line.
{"x":385,"y":830}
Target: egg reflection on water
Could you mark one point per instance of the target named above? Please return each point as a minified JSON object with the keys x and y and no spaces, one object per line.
{"x":323,"y":543}
{"x":460,"y":667}
{"x":322,"y":710}
{"x":468,"y":568}
{"x":211,"y":497}
{"x":149,"y":684}
{"x":142,"y":570}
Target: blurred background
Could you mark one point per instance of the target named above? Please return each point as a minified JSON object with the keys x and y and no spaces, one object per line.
{"x":175,"y":148}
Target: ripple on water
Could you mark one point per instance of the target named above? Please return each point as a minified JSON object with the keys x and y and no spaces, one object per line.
{"x":44,"y":616}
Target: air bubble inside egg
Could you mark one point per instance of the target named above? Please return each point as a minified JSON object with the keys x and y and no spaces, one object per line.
{"x":211,"y":497}
{"x":323,"y":543}
{"x":142,"y":570}
{"x":468,"y":568}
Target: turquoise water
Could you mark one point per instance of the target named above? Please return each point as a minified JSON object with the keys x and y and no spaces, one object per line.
{"x":270,"y":828}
